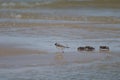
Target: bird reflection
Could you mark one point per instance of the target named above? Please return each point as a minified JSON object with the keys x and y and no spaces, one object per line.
{"x":59,"y":58}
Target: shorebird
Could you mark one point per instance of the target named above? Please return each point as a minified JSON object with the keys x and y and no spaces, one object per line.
{"x":61,"y":47}
{"x":104,"y":48}
{"x":86,"y":48}
{"x":81,"y":48}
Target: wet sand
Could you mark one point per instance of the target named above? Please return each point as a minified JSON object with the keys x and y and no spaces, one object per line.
{"x":36,"y":44}
{"x":20,"y":58}
{"x":8,"y":51}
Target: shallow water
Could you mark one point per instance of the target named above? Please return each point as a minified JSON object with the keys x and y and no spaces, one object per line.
{"x":68,"y":72}
{"x":59,"y":66}
{"x":38,"y":28}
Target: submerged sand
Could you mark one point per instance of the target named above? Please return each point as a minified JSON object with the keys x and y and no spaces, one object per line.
{"x":8,"y":51}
